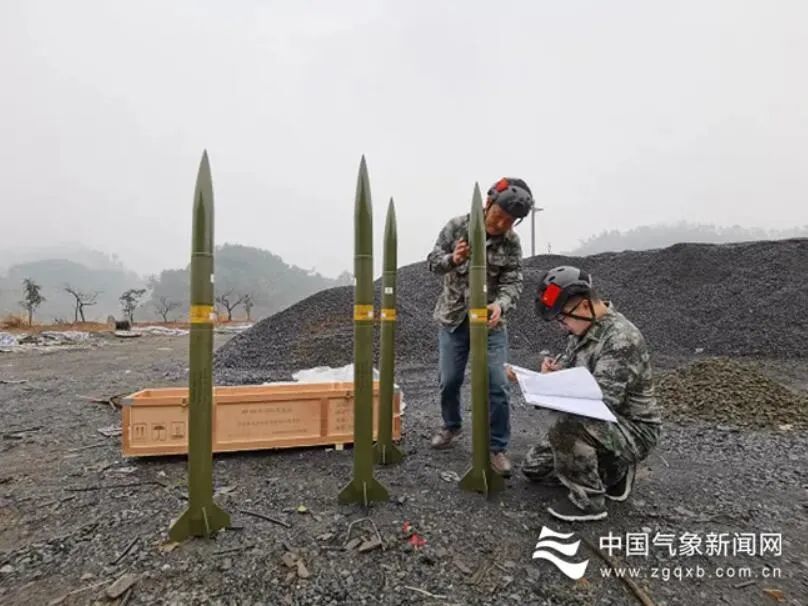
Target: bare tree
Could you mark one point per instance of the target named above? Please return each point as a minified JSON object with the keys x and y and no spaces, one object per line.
{"x":32,"y":298}
{"x":248,"y":305}
{"x":165,"y":306}
{"x":83,"y":299}
{"x":230,"y":303}
{"x":129,"y":302}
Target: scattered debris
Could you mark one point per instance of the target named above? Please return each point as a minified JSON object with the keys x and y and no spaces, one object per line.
{"x":775,"y":594}
{"x":168,"y":547}
{"x":426,"y":593}
{"x":415,"y":540}
{"x":302,"y":571}
{"x":18,"y":433}
{"x":114,"y":402}
{"x":263,"y":516}
{"x":462,"y":567}
{"x":744,"y":584}
{"x":61,"y":599}
{"x":110,"y":431}
{"x":449,"y":476}
{"x":356,"y":523}
{"x":8,"y":340}
{"x":371,"y":544}
{"x":124,"y":553}
{"x":121,"y":586}
{"x":234,"y":549}
{"x":353,"y":543}
{"x":126,"y":334}
{"x":292,"y":559}
{"x":160,"y":331}
{"x":13,"y":381}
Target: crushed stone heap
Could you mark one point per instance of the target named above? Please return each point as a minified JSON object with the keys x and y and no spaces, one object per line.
{"x":730,"y":392}
{"x":746,"y":299}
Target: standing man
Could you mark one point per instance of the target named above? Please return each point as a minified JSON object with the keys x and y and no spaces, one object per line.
{"x":596,"y":460}
{"x":508,"y":202}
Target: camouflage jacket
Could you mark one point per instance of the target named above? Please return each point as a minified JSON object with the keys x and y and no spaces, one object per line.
{"x":503,"y":266}
{"x":616,"y":353}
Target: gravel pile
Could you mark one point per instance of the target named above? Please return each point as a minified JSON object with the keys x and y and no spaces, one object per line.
{"x":734,"y":300}
{"x":731,"y":392}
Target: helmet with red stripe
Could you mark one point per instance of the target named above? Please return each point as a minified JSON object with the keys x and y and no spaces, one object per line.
{"x":558,"y":286}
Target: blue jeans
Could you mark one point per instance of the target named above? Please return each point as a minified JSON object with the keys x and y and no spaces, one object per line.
{"x":454,"y":354}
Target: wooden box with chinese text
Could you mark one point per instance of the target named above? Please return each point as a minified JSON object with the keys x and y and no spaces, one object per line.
{"x":249,"y":417}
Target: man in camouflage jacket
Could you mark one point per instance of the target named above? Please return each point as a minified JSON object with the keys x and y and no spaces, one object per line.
{"x":509,"y":200}
{"x":595,"y":460}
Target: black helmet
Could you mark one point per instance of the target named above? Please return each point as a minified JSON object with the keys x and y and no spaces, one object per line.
{"x":513,"y":196}
{"x":558,"y":286}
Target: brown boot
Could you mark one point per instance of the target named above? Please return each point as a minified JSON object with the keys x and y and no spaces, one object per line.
{"x":443,"y":439}
{"x":501,"y":464}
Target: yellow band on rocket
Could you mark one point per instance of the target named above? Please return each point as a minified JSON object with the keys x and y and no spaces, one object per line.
{"x":388,"y":314}
{"x":201,"y":314}
{"x":478,"y":315}
{"x":362,"y":312}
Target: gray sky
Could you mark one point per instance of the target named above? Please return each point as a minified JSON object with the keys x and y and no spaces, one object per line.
{"x":617,"y":113}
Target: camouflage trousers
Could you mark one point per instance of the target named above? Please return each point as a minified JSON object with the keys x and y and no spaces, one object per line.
{"x":587,"y":455}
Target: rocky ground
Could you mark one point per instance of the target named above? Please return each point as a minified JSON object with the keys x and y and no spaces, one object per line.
{"x":79,"y":523}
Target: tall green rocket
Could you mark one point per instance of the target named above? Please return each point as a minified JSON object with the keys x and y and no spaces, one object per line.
{"x":202,"y":517}
{"x":480,"y":478}
{"x":385,"y":451}
{"x":364,"y":488}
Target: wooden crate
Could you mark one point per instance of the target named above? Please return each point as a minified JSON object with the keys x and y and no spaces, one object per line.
{"x":249,"y":417}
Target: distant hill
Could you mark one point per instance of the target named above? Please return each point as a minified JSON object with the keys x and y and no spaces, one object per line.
{"x":78,"y":253}
{"x":650,"y":237}
{"x":271,"y":283}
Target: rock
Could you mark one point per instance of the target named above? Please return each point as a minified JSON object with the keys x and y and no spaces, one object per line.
{"x":121,"y":586}
{"x":289,"y":559}
{"x":302,"y":571}
{"x":87,"y":576}
{"x":370,"y":545}
{"x":684,"y":511}
{"x":226,"y":564}
{"x":7,"y":569}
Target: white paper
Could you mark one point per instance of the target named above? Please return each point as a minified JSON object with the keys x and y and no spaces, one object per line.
{"x":572,"y":390}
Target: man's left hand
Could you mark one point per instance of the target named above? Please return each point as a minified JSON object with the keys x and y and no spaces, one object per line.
{"x":494,"y":314}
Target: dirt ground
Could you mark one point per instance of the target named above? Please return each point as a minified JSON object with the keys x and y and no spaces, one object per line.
{"x":75,"y":515}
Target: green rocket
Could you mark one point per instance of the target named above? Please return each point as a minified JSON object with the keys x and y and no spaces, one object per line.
{"x":202,"y":517}
{"x":385,"y":451}
{"x":363,"y":488}
{"x":480,"y":478}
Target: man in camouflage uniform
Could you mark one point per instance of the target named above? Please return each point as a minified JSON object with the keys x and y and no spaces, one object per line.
{"x":596,"y":460}
{"x":508,"y":202}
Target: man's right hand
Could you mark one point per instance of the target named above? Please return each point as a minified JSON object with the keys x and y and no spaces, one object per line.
{"x":461,"y":252}
{"x":548,"y":365}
